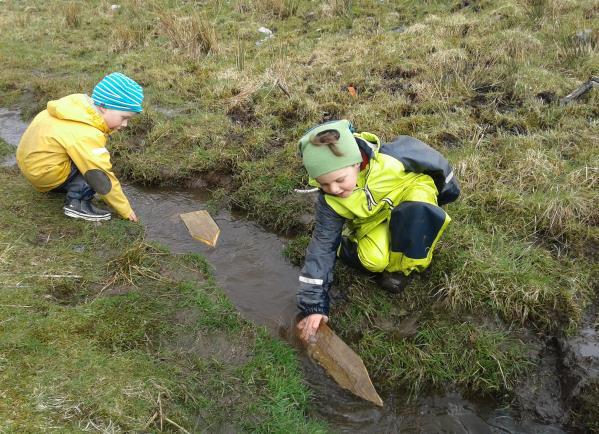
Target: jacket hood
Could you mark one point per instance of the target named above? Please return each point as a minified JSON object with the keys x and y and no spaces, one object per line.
{"x":77,"y":108}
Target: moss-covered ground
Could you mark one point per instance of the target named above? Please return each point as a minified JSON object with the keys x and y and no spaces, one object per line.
{"x":478,"y":80}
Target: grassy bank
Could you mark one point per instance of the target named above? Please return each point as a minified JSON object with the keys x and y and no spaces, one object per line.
{"x":479,"y":80}
{"x":100,"y":330}
{"x":5,"y":149}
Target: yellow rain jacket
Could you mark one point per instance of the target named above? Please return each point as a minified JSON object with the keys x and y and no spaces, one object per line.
{"x":70,"y":130}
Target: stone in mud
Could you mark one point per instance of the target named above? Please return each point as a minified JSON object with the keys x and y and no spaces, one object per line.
{"x":584,"y":37}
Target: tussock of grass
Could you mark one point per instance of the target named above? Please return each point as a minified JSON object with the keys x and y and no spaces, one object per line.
{"x":137,"y":262}
{"x":488,"y":362}
{"x":342,"y":8}
{"x":280,"y":9}
{"x":72,"y":14}
{"x":518,"y":280}
{"x":192,"y":34}
{"x":129,"y":37}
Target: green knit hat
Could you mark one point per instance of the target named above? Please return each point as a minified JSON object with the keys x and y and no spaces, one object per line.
{"x":328,"y":147}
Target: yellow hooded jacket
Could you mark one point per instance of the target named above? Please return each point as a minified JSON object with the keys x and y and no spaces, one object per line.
{"x":70,"y":129}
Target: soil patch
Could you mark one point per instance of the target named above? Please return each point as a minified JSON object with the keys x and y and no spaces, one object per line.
{"x":580,"y":371}
{"x":540,"y":394}
{"x":137,"y":132}
{"x":395,"y":72}
{"x":547,"y":97}
{"x":448,"y":140}
{"x":217,"y":345}
{"x":243,"y":114}
{"x":67,"y":291}
{"x":331,"y":111}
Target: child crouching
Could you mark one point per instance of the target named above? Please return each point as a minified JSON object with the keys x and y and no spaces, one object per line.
{"x":64,"y":147}
{"x":389,"y":196}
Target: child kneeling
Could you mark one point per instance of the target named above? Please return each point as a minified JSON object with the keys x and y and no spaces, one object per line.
{"x":389,"y":196}
{"x":64,"y":147}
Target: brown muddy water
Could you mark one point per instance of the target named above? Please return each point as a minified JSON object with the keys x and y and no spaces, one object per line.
{"x":249,"y":265}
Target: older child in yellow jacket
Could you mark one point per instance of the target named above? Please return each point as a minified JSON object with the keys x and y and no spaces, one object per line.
{"x":64,"y":147}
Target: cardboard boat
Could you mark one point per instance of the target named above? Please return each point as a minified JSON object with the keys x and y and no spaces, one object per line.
{"x":201,"y":226}
{"x":343,"y":364}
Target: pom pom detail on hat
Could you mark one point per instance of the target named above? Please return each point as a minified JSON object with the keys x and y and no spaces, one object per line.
{"x":116,"y":91}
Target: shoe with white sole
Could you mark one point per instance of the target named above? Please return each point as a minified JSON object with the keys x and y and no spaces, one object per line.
{"x":84,"y":209}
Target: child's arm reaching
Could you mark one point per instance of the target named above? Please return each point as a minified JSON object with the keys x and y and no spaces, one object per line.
{"x":317,"y":273}
{"x":93,"y":160}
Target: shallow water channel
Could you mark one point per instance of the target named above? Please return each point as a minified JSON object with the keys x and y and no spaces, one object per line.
{"x":250,"y":267}
{"x":249,"y":264}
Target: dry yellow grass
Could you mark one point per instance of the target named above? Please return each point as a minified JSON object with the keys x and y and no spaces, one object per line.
{"x":193,"y":35}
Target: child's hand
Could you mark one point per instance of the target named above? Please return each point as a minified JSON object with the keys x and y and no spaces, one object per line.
{"x":133,"y":217}
{"x":308,"y":326}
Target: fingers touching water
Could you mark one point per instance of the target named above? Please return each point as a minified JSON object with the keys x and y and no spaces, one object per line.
{"x":308,"y":327}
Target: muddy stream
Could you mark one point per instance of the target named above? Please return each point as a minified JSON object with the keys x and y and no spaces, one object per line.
{"x":250,"y":267}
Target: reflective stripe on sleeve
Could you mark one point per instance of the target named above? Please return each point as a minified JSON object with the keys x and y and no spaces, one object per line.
{"x":99,"y":151}
{"x":449,"y":177}
{"x":310,"y":281}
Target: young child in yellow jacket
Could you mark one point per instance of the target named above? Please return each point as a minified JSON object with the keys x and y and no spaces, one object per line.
{"x":64,"y":147}
{"x":379,"y":211}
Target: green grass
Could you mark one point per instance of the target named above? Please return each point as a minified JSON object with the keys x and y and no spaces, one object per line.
{"x":101,"y":330}
{"x":479,"y":82}
{"x":5,"y":149}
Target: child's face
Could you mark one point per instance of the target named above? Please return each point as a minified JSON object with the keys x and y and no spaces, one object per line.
{"x":340,"y":182}
{"x":115,"y":119}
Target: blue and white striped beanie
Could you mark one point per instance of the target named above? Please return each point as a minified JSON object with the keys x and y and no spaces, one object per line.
{"x":118,"y":92}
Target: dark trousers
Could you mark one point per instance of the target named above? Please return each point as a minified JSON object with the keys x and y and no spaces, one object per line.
{"x":76,"y":187}
{"x":405,"y":245}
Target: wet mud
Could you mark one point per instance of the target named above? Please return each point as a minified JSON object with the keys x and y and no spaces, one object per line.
{"x":249,"y":265}
{"x":11,"y":130}
{"x":243,"y":114}
{"x":580,"y":373}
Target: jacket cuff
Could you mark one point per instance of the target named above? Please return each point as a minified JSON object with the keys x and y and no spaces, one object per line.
{"x":126,"y":213}
{"x":315,"y":309}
